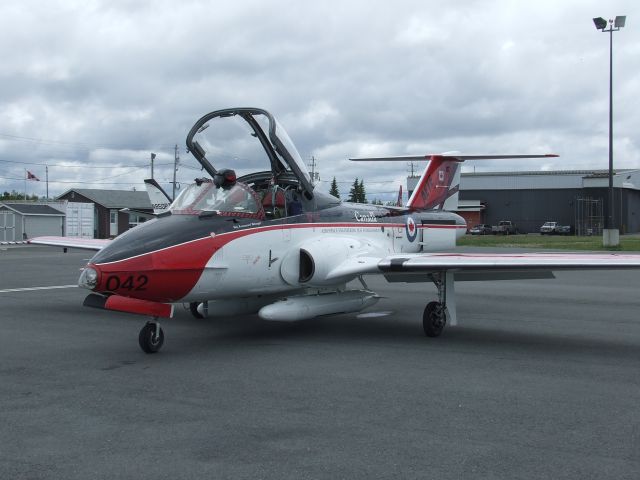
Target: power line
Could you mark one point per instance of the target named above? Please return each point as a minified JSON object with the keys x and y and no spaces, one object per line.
{"x":82,"y":145}
{"x":59,"y":165}
{"x":100,"y":180}
{"x":97,"y":182}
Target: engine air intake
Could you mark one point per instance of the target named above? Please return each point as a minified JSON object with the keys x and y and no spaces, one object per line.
{"x":307,"y":266}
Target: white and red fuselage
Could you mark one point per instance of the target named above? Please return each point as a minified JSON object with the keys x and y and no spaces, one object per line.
{"x":187,"y":257}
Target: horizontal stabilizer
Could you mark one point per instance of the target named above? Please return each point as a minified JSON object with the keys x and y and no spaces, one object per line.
{"x":446,"y":156}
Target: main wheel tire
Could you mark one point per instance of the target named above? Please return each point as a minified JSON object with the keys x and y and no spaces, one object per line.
{"x":193,"y":307}
{"x":433,"y":319}
{"x":149,"y":342}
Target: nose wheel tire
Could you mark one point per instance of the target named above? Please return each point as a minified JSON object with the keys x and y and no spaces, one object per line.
{"x":433,"y":319}
{"x":151,"y":337}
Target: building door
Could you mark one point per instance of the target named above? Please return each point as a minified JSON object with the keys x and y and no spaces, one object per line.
{"x":589,"y":217}
{"x":113,"y":223}
{"x":7,"y":226}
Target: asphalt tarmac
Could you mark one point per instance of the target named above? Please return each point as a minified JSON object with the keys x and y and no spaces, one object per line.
{"x":540,"y":380}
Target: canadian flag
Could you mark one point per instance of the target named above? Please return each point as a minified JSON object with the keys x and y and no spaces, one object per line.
{"x":31,"y":176}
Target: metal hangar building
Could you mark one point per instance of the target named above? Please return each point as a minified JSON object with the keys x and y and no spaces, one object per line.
{"x":572,"y":197}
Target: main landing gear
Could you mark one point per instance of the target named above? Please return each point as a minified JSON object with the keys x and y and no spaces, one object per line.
{"x":433,"y":319}
{"x":151,"y":337}
{"x":436,"y":314}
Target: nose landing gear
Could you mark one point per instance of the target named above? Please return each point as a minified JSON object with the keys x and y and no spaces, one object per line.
{"x":151,"y":337}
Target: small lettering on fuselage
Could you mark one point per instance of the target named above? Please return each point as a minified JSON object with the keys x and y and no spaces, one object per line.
{"x":368,"y":217}
{"x":345,"y":230}
{"x":247,"y":225}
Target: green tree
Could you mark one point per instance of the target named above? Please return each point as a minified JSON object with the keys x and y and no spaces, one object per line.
{"x":357,"y":194}
{"x":354,"y":193}
{"x":362,"y":194}
{"x":14,"y":195}
{"x":334,"y":188}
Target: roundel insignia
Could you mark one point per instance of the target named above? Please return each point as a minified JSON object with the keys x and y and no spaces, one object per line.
{"x":411,"y":229}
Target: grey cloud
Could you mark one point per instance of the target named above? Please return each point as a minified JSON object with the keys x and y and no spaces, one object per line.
{"x":476,"y":77}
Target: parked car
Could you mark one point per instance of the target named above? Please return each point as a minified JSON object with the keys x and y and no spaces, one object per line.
{"x":480,"y":229}
{"x":551,"y":228}
{"x":504,"y":227}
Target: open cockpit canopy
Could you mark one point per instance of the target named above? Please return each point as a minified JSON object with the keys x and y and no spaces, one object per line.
{"x":247,"y":140}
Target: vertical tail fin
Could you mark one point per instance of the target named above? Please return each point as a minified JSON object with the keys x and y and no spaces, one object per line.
{"x":438,"y":186}
{"x":159,"y":199}
{"x":399,"y":202}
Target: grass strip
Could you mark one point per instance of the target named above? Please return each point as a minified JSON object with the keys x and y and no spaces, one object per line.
{"x":548,"y":241}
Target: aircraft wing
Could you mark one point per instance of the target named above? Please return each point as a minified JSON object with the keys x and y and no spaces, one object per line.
{"x":71,"y":242}
{"x":355,"y":266}
{"x":430,"y":262}
{"x":478,"y":266}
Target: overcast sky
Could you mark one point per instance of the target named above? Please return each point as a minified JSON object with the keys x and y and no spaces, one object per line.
{"x":91,"y":88}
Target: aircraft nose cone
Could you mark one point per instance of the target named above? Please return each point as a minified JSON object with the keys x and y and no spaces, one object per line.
{"x":160,"y":260}
{"x":89,"y":278}
{"x":157,"y":234}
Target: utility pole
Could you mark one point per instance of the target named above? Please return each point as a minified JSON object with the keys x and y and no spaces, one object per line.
{"x":46,"y":172}
{"x":412,"y":180}
{"x":314,"y":176}
{"x":176,"y":161}
{"x":411,"y":165}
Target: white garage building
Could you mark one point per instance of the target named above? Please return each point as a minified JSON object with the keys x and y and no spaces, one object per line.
{"x":19,"y":221}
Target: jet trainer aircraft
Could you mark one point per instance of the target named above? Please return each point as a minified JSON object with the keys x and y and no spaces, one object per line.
{"x":268,"y":242}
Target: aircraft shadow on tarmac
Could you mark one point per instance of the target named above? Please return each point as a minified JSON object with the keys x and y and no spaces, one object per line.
{"x":390,"y":332}
{"x":394,"y":330}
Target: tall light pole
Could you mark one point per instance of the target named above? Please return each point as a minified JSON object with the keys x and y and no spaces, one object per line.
{"x":153,"y":157}
{"x":610,"y":235}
